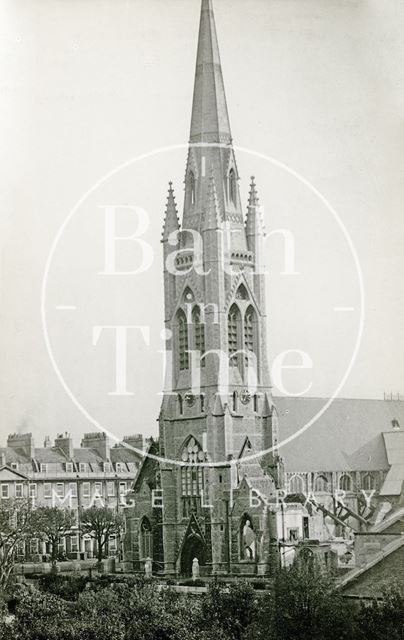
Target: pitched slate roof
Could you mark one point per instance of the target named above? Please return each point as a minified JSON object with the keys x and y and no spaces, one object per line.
{"x":346,"y":437}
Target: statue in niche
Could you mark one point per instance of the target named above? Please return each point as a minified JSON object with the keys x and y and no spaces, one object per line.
{"x":249,"y":541}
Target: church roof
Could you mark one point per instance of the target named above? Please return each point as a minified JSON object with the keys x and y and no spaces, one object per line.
{"x":346,"y":437}
{"x":210,"y":120}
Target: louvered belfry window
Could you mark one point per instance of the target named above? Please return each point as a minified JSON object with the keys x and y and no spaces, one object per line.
{"x":183,"y":340}
{"x":233,"y":328}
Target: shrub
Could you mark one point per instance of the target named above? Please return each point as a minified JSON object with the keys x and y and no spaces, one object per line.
{"x":67,"y":587}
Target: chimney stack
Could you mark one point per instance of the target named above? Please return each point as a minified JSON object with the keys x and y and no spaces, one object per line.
{"x":22,"y":443}
{"x":65,"y":443}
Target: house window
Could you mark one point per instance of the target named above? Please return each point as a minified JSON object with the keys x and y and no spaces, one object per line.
{"x":306,"y":529}
{"x":47,"y":490}
{"x":202,"y":399}
{"x":33,"y":545}
{"x":5,"y":491}
{"x":82,"y":467}
{"x":255,"y":403}
{"x":86,"y":490}
{"x":73,"y":489}
{"x":119,"y":467}
{"x":19,"y":490}
{"x":112,"y":544}
{"x":107,"y":467}
{"x":199,"y":333}
{"x":345,"y":483}
{"x":180,"y":404}
{"x":43,"y":467}
{"x":182,"y":340}
{"x":14,"y":465}
{"x":74,"y":544}
{"x":110,"y":489}
{"x":60,"y":489}
{"x":98,"y":489}
{"x":233,"y":334}
{"x":69,"y":467}
{"x":296,"y":485}
{"x":33,"y":491}
{"x":122,"y":488}
{"x":234,"y":401}
{"x":293,"y":534}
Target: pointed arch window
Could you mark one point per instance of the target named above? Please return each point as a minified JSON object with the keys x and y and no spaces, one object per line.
{"x":232,"y":186}
{"x":192,"y":189}
{"x":183,"y":355}
{"x":146,"y":539}
{"x":321,"y":484}
{"x":368,"y":482}
{"x":191,"y":471}
{"x":296,"y":485}
{"x":233,"y":331}
{"x":199,"y":333}
{"x":345,"y":482}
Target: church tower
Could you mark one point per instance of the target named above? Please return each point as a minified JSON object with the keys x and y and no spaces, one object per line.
{"x":217,"y":408}
{"x":217,"y":424}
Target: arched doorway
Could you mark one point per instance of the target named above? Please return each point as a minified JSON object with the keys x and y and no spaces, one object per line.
{"x":193,"y":548}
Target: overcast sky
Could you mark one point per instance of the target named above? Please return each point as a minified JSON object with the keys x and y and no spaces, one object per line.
{"x":86,"y":86}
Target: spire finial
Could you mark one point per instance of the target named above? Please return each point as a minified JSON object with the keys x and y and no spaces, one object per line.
{"x":253,"y":200}
{"x":171,"y":222}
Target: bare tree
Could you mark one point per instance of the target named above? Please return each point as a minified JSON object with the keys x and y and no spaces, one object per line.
{"x":17,"y":525}
{"x":100,"y":523}
{"x":53,"y":523}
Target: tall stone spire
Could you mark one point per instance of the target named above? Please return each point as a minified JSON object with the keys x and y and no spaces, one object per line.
{"x":210,"y":119}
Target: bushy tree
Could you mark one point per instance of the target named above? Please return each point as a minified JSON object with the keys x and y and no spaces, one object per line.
{"x":100,"y":523}
{"x":228,"y":610}
{"x":303,"y":605}
{"x":382,"y":619}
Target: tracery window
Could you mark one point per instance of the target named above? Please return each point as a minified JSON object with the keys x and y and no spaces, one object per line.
{"x":192,"y":472}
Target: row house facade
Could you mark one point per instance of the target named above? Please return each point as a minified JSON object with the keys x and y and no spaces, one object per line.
{"x":62,"y":475}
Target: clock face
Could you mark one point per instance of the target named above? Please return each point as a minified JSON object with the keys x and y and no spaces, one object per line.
{"x":245,"y":396}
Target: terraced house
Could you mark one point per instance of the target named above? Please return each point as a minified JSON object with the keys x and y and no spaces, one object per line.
{"x":69,"y":477}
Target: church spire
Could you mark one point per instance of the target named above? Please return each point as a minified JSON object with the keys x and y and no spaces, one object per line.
{"x":210,"y":119}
